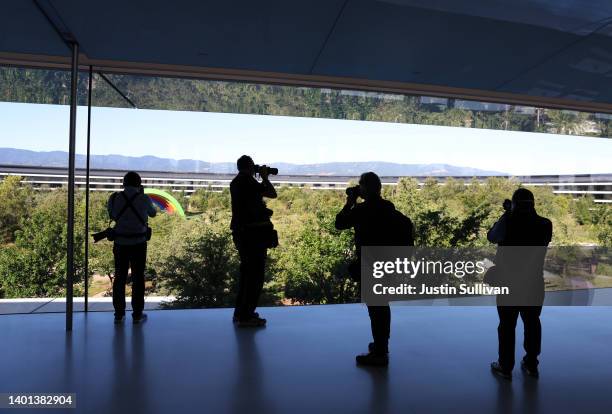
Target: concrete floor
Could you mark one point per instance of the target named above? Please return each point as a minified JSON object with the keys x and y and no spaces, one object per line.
{"x":195,"y":361}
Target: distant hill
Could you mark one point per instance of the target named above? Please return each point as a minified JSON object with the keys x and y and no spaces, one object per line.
{"x":12,"y":156}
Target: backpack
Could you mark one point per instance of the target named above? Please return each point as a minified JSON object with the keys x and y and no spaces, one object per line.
{"x":402,"y":229}
{"x":399,"y":231}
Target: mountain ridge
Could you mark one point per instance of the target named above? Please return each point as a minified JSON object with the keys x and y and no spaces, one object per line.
{"x":20,"y":157}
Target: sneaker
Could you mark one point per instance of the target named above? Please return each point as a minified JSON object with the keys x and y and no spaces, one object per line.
{"x":371,"y":348}
{"x":253,"y":322}
{"x":235,"y":318}
{"x":531,"y":371}
{"x":119,"y":319}
{"x":139,"y":319}
{"x":500,"y":372}
{"x":372,"y":359}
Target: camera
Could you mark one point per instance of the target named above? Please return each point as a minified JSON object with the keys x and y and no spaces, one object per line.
{"x":264,"y":168}
{"x":507,"y":205}
{"x":353,"y":191}
{"x":108,"y":234}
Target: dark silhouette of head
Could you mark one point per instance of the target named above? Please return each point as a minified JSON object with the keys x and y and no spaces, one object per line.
{"x":369,"y":185}
{"x":522,"y":200}
{"x":246,"y":165}
{"x":132,"y":179}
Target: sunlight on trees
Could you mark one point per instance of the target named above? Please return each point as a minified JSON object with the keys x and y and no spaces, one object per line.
{"x":195,"y":259}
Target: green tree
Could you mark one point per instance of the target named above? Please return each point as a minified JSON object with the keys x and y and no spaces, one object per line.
{"x":566,"y":122}
{"x":37,"y":265}
{"x":314,"y":266}
{"x":17,"y":202}
{"x":203,"y":272}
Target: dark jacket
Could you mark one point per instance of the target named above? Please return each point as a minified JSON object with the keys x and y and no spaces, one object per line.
{"x":522,"y":239}
{"x":376,"y":223}
{"x":521,"y":229}
{"x":248,"y":207}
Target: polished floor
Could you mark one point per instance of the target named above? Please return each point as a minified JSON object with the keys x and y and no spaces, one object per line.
{"x":46,"y":305}
{"x":578,"y":297}
{"x":195,"y":361}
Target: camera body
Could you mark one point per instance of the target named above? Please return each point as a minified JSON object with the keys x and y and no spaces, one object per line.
{"x":507,"y":205}
{"x":353,"y":191}
{"x":108,"y":234}
{"x":264,"y":168}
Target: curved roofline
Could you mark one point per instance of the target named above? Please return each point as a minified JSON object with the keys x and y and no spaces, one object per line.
{"x":298,"y":80}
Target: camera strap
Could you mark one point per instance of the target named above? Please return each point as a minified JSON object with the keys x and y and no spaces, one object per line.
{"x":128,"y":204}
{"x":123,"y":209}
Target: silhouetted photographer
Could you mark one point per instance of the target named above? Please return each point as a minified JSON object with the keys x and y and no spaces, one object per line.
{"x":253,"y":233}
{"x":376,"y":223}
{"x":130,"y":210}
{"x":522,"y":236}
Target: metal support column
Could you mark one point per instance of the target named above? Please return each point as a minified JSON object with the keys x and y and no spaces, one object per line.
{"x":86,"y":270}
{"x":71,"y":159}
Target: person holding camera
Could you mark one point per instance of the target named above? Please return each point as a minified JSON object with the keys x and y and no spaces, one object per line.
{"x":253,"y":233}
{"x":376,"y":223}
{"x":522,"y":236}
{"x":130,"y":209}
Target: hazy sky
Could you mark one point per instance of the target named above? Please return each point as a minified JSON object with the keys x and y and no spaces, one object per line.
{"x":223,"y":137}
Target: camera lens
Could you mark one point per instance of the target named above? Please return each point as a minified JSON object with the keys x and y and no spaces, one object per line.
{"x":352,"y":191}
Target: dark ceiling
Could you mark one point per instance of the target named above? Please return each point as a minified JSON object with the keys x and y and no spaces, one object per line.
{"x":548,"y":49}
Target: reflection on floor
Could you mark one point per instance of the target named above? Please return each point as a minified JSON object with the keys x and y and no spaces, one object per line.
{"x":45,"y":305}
{"x":195,"y":361}
{"x":578,"y":297}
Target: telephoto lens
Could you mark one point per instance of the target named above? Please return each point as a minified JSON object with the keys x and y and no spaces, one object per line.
{"x":507,"y":205}
{"x":270,"y":170}
{"x":353,"y":191}
{"x":100,"y":235}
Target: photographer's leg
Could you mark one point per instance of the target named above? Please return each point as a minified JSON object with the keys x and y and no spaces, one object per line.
{"x":240,"y":291}
{"x":254,"y":260}
{"x":380,"y":321}
{"x":138,"y":262}
{"x":121,"y":269}
{"x":533,"y":334}
{"x":242,"y":297}
{"x":257,"y":277}
{"x":508,"y":315}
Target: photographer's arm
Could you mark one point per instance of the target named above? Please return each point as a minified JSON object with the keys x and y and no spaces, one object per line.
{"x":345,"y":218}
{"x":268,"y":189}
{"x":110,"y":205}
{"x":151,"y":211}
{"x":497,"y":233}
